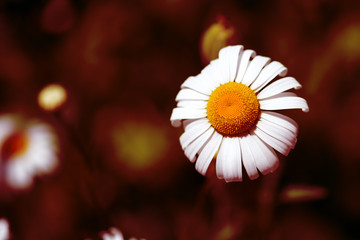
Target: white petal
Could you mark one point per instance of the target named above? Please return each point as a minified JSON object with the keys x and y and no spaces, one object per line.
{"x":278,"y":145}
{"x":254,"y":69}
{"x":208,"y":152}
{"x":17,"y":174}
{"x":189,"y":94}
{"x":228,"y":161}
{"x":7,"y":127}
{"x":285,"y":100}
{"x":187,"y":122}
{"x":200,"y":84}
{"x":229,"y":57}
{"x":200,"y":104}
{"x":265,"y":158}
{"x":267,"y":74}
{"x":281,"y":120}
{"x":113,"y":234}
{"x":244,"y":60}
{"x":193,"y":131}
{"x":278,"y":132}
{"x":212,"y":73}
{"x":194,"y":147}
{"x":248,"y":158}
{"x":179,"y":114}
{"x":4,"y":229}
{"x":279,"y":86}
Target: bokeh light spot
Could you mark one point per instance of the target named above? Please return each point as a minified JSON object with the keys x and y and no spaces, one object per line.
{"x":300,"y":193}
{"x":227,"y":232}
{"x":139,"y":146}
{"x":52,"y":97}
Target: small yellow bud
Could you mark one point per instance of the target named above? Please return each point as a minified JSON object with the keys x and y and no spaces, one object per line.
{"x":215,"y":37}
{"x":52,"y":97}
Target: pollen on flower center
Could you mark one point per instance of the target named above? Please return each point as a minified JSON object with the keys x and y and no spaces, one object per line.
{"x":233,"y":108}
{"x":14,"y":145}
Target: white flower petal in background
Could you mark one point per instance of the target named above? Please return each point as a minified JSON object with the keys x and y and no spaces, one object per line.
{"x":113,"y":234}
{"x":226,"y":111}
{"x":27,"y":149}
{"x":4,"y":229}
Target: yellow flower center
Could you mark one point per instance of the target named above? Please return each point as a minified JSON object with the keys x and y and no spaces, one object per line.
{"x":14,"y":145}
{"x":233,"y":108}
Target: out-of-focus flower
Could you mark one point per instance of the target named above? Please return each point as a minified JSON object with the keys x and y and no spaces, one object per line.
{"x":113,"y":234}
{"x":215,"y":37}
{"x":227,"y":111}
{"x":27,"y":149}
{"x":300,"y":193}
{"x":137,"y":145}
{"x":52,"y":97}
{"x":226,"y":232}
{"x":4,"y":229}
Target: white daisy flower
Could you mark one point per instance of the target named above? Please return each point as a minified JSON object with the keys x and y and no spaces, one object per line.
{"x":227,"y":112}
{"x":4,"y":229}
{"x":113,"y":234}
{"x":27,"y":149}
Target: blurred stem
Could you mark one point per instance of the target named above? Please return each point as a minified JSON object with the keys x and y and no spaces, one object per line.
{"x":92,"y":173}
{"x":266,"y":203}
{"x":77,"y":141}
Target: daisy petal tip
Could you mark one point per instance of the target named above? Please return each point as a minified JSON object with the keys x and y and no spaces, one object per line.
{"x":175,"y":123}
{"x":283,"y":72}
{"x":274,"y":168}
{"x":305,"y":109}
{"x":253,"y":177}
{"x":233,"y":179}
{"x":201,"y":169}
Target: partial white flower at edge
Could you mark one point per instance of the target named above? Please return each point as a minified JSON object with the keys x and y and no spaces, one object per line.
{"x":228,"y":113}
{"x":4,"y":229}
{"x":27,"y":149}
{"x":113,"y":234}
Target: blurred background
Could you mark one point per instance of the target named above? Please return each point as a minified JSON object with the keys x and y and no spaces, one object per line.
{"x":121,"y":64}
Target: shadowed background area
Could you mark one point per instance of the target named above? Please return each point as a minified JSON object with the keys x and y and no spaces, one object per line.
{"x":120,"y":64}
